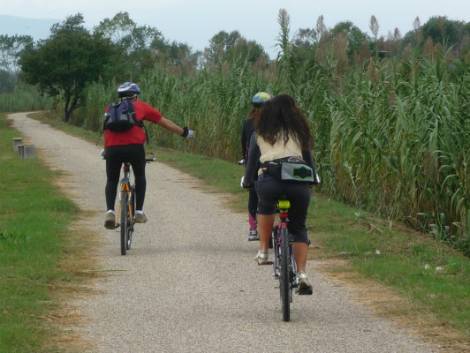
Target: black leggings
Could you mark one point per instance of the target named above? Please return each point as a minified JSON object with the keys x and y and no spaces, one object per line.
{"x":115,"y":156}
{"x":252,"y":202}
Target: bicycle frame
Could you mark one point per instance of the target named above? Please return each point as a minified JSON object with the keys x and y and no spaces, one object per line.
{"x":281,"y":244}
{"x":125,"y":185}
{"x":277,"y":240}
{"x":127,"y":202}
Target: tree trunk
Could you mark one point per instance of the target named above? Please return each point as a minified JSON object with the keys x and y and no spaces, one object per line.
{"x":67,"y":111}
{"x":67,"y":115}
{"x":71,"y":103}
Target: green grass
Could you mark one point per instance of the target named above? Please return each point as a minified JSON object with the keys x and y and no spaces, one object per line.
{"x":435,"y":277}
{"x":33,"y":221}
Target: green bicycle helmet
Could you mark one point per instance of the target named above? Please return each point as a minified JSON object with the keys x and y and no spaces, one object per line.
{"x":260,"y":98}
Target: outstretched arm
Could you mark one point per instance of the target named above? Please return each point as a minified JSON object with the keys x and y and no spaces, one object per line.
{"x":171,"y":126}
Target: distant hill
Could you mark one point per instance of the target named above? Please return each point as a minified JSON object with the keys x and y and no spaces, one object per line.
{"x":36,"y":28}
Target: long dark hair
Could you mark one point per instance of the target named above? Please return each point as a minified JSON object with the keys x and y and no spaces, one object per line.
{"x":281,"y":117}
{"x":255,"y":112}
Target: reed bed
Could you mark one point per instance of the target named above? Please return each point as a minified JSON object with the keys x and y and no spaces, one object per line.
{"x":392,"y":136}
{"x":24,"y":98}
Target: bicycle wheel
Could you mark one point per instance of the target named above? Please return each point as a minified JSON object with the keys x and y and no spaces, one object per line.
{"x":292,"y":273}
{"x":131,"y":214}
{"x":276,"y":259}
{"x":284,"y":284}
{"x":124,"y":223}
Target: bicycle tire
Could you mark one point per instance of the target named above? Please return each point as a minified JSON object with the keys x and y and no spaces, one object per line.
{"x":124,"y":223}
{"x":284,"y":283}
{"x":131,"y":214}
{"x":275,"y":246}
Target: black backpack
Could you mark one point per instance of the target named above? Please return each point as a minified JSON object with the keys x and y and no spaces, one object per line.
{"x":120,"y":117}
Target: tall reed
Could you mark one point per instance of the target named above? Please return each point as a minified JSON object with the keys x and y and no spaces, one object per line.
{"x":391,"y":136}
{"x":24,"y":98}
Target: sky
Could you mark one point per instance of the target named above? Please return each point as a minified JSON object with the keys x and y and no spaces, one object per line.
{"x":195,"y":21}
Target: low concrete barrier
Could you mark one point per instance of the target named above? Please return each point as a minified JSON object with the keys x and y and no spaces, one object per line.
{"x":16,"y":142}
{"x":26,"y":151}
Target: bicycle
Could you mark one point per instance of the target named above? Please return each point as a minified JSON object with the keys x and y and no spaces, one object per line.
{"x":127,"y":203}
{"x":284,"y":265}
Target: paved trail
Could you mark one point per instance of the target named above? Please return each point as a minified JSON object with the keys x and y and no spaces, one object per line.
{"x":190,"y":283}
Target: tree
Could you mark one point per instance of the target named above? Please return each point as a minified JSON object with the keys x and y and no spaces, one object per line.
{"x":7,"y":81}
{"x":439,"y":30}
{"x":230,"y":47}
{"x":123,"y":31}
{"x":355,"y":37}
{"x":65,"y":63}
{"x":177,"y":55}
{"x":305,"y":38}
{"x":11,"y":48}
{"x":443,"y":31}
{"x":10,"y":51}
{"x":134,"y":43}
{"x":219,"y":45}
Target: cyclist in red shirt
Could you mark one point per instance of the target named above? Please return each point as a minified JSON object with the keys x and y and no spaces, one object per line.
{"x":128,"y":146}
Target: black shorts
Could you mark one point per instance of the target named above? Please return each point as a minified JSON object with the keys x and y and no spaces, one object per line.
{"x":270,"y":190}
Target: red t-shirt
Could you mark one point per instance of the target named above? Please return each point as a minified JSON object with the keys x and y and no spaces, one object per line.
{"x":135,"y":135}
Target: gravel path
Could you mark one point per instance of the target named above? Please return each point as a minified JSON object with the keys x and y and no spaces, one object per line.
{"x":190,"y":283}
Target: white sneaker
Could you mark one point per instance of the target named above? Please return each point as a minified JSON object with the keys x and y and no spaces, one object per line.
{"x":304,"y":288}
{"x":140,"y":217}
{"x":262,"y":258}
{"x":110,"y":220}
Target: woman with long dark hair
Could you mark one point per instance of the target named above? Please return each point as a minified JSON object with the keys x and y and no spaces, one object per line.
{"x":282,"y":136}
